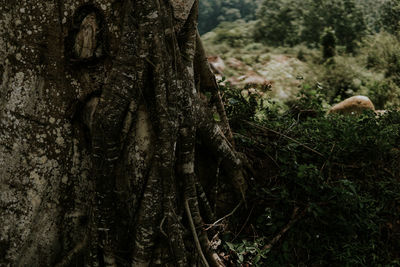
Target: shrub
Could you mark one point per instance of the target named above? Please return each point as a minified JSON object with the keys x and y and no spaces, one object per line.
{"x":326,"y":189}
{"x":339,"y":80}
{"x":384,"y":93}
{"x":235,"y":34}
{"x":382,"y":52}
{"x":328,"y":42}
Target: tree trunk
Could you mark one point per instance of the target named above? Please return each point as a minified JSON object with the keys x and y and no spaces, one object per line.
{"x":109,"y":151}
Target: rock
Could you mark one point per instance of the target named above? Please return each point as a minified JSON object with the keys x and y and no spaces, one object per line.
{"x":217,"y":64}
{"x":353,"y":105}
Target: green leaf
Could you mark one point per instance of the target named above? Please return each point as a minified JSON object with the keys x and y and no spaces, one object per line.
{"x":216,"y":117}
{"x":231,"y":246}
{"x":240,"y":258}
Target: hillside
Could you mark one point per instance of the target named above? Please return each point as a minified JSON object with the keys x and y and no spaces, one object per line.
{"x":287,"y":69}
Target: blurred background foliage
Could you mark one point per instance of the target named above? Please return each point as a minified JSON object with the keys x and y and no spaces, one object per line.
{"x":348,"y":46}
{"x":213,"y":12}
{"x":289,"y":22}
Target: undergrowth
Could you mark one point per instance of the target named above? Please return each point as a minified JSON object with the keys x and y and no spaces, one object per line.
{"x":324,"y":190}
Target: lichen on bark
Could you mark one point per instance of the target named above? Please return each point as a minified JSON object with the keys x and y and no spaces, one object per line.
{"x":99,"y":162}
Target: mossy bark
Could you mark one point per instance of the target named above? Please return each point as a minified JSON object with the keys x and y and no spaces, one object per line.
{"x":99,"y":146}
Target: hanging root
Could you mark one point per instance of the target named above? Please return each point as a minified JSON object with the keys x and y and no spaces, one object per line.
{"x":215,"y":140}
{"x":208,"y":83}
{"x":191,"y":201}
{"x":202,"y":242}
{"x":194,"y":233}
{"x":217,"y":137}
{"x":67,"y":260}
{"x":197,"y":120}
{"x":209,"y":213}
{"x":148,"y":218}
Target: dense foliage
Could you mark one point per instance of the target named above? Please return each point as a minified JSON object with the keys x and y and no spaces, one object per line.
{"x":286,"y":22}
{"x":289,"y":22}
{"x":390,"y":18}
{"x":213,"y":12}
{"x":325,"y":189}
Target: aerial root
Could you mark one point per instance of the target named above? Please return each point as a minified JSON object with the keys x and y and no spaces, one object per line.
{"x":193,"y":229}
{"x":67,"y":260}
{"x":231,"y":161}
{"x":209,"y":214}
{"x":202,"y":243}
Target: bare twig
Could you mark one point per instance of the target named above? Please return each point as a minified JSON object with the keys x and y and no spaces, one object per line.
{"x":326,"y":161}
{"x":283,"y":135}
{"x":260,"y":144}
{"x":226,"y":216}
{"x":244,"y":224}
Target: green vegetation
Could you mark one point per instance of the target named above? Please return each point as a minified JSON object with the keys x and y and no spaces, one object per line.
{"x":285,"y":22}
{"x":390,"y":18}
{"x":373,"y":69}
{"x":324,"y":190}
{"x":213,"y":12}
{"x":289,"y":22}
{"x":328,"y":42}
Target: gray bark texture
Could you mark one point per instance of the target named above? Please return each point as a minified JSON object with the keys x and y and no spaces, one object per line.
{"x":109,"y":153}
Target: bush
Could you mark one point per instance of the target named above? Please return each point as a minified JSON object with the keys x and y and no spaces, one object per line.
{"x":309,"y":103}
{"x":339,"y":80}
{"x":331,"y":181}
{"x":235,"y":34}
{"x":382,"y":52}
{"x":384,"y":93}
{"x":328,"y":42}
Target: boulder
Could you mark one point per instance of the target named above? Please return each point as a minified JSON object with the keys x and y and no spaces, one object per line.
{"x":353,"y":105}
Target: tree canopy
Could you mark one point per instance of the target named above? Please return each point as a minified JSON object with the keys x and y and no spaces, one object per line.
{"x":289,"y":22}
{"x":286,"y":22}
{"x":213,"y":12}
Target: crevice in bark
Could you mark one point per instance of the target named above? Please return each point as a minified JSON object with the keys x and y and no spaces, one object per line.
{"x":98,"y":43}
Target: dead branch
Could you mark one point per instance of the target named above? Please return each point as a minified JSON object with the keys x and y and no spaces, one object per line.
{"x":223,"y":218}
{"x":285,"y":136}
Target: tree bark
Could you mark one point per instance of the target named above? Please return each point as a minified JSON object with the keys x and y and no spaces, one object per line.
{"x":105,"y":128}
